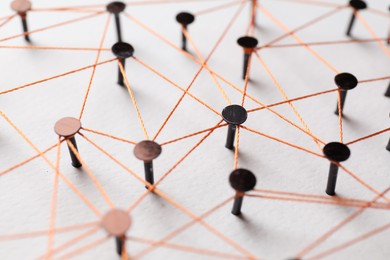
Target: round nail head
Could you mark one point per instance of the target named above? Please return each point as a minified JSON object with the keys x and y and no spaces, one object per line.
{"x":337,"y":152}
{"x":242,"y":180}
{"x":116,"y":7}
{"x":147,"y":150}
{"x":67,"y":126}
{"x":116,"y":222}
{"x":358,"y":4}
{"x":248,"y":42}
{"x":185,"y":18}
{"x":346,"y":81}
{"x":234,"y":114}
{"x":122,"y":50}
{"x":21,"y":6}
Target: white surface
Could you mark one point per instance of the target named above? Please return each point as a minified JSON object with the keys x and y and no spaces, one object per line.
{"x":270,"y":229}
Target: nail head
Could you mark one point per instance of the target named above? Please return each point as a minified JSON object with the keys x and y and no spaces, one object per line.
{"x":336,"y":151}
{"x":185,"y":18}
{"x":234,"y":114}
{"x":122,"y":50}
{"x":67,"y":126}
{"x":21,"y":6}
{"x":247,"y":42}
{"x":242,"y":180}
{"x":147,"y":150}
{"x":346,"y":81}
{"x":116,"y":7}
{"x":358,"y":4}
{"x":116,"y":222}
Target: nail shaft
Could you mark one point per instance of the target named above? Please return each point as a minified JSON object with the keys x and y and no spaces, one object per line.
{"x":149,"y":177}
{"x":343,"y":96}
{"x":253,"y":11}
{"x":230,"y":136}
{"x":120,"y":243}
{"x":118,"y":27}
{"x":236,"y":210}
{"x":246,"y":63}
{"x":332,"y":179}
{"x":388,"y":146}
{"x":120,"y":75}
{"x":75,"y":161}
{"x":25,"y":27}
{"x":352,"y":21}
{"x":184,"y":40}
{"x":387,"y":94}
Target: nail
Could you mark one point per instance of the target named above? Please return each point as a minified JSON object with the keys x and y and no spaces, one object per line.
{"x":117,"y":222}
{"x":116,"y":8}
{"x":22,"y":7}
{"x":241,"y":181}
{"x":147,"y":151}
{"x":67,"y":128}
{"x":344,"y":81}
{"x":184,"y":19}
{"x":248,"y":44}
{"x":335,"y":152}
{"x":233,"y":115}
{"x":122,"y":50}
{"x":356,"y":6}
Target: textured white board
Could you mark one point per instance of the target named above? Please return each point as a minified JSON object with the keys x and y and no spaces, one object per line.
{"x":270,"y":228}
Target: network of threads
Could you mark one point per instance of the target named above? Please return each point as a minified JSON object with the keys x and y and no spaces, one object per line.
{"x":198,"y":58}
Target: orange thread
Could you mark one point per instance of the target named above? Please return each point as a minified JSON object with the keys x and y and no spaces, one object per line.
{"x":195,"y":250}
{"x":362,"y":182}
{"x":175,"y":84}
{"x":198,"y":53}
{"x":334,"y":229}
{"x":186,"y":155}
{"x":316,"y":201}
{"x":281,"y":91}
{"x":54,"y":201}
{"x":122,"y":70}
{"x":26,"y":161}
{"x":7,"y":20}
{"x":351,"y":242}
{"x":266,"y":107}
{"x":376,"y":79}
{"x":193,"y":134}
{"x":66,"y":180}
{"x":200,"y":69}
{"x":177,"y":231}
{"x":207,"y":226}
{"x":54,"y":77}
{"x":281,"y":25}
{"x":94,"y":67}
{"x":369,"y":136}
{"x":373,"y":34}
{"x":293,"y":100}
{"x":50,"y":27}
{"x":91,"y":175}
{"x":51,"y":48}
{"x":235,"y":163}
{"x":115,"y":160}
{"x":108,"y":135}
{"x":44,"y":232}
{"x":85,"y":248}
{"x":340,"y":114}
{"x":322,"y":43}
{"x":282,"y":141}
{"x":305,"y":25}
{"x":335,"y":200}
{"x":216,"y":8}
{"x":69,"y":243}
{"x":246,"y":80}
